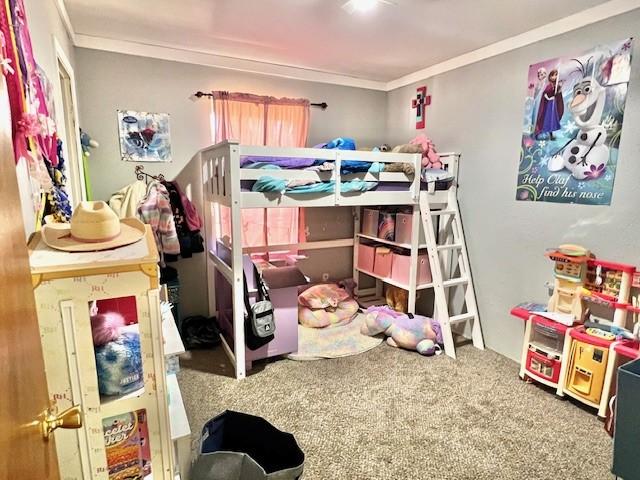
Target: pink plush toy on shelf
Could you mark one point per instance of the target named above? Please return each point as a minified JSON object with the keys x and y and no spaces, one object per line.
{"x":105,"y":326}
{"x":415,"y":332}
{"x":430,"y":157}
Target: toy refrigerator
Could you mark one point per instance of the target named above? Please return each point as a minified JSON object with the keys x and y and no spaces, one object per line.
{"x":125,"y":430}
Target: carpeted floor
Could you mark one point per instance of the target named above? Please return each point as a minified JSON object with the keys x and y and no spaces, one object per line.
{"x":391,"y":414}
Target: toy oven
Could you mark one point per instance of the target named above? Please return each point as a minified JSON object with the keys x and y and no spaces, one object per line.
{"x":544,"y":363}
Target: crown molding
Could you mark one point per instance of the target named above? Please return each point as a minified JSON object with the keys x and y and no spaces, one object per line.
{"x":220,"y":61}
{"x":581,"y":19}
{"x":66,"y":21}
{"x":572,"y":22}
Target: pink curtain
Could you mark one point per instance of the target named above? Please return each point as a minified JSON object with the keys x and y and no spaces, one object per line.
{"x":258,"y":120}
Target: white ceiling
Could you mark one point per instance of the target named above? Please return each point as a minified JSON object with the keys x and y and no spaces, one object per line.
{"x":382,"y":45}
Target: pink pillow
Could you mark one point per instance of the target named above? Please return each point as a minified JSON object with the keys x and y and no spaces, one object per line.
{"x":322,"y":296}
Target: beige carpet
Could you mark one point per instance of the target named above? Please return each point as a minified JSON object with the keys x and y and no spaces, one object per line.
{"x":391,"y":414}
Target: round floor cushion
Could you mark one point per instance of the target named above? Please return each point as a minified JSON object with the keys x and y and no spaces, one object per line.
{"x":341,"y":314}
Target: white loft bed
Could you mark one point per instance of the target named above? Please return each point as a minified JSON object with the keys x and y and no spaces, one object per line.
{"x":222,"y":179}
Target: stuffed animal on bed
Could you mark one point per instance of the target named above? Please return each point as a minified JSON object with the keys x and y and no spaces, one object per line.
{"x":403,"y":167}
{"x":416,"y":332}
{"x":430,"y":158}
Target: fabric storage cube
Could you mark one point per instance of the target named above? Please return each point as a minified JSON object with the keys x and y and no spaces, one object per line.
{"x":403,"y":229}
{"x":383,"y":262}
{"x":387,"y":226}
{"x":366,"y":256}
{"x":401,"y":264}
{"x":282,"y":283}
{"x":370,"y":222}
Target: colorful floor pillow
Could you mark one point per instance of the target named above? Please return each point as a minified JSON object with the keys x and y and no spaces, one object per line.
{"x":322,"y":296}
{"x":328,"y":317}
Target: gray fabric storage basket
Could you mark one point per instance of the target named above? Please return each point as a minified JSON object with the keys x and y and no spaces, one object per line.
{"x":626,"y":439}
{"x":238,"y":446}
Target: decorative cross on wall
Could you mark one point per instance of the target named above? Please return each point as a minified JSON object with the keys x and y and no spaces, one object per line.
{"x":420,"y":103}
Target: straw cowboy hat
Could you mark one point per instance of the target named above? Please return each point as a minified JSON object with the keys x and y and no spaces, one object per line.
{"x":94,"y":226}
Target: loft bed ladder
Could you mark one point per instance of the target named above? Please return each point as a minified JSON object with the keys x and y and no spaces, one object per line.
{"x":448,"y":259}
{"x":450,"y":268}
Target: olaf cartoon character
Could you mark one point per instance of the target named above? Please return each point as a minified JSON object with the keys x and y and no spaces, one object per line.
{"x":586,"y":155}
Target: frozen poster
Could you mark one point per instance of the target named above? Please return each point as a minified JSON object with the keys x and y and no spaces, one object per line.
{"x":572,"y":123}
{"x":144,"y":137}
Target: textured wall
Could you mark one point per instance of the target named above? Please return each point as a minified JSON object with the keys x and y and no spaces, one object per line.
{"x":477,"y":110}
{"x":108,"y":82}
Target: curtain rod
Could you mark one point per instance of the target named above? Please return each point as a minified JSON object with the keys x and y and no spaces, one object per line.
{"x":322,"y":105}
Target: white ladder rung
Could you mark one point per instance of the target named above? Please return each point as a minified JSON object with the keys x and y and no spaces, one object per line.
{"x":454,"y":257}
{"x":451,"y":246}
{"x":442,"y":212}
{"x":455,"y":281}
{"x":463,"y":317}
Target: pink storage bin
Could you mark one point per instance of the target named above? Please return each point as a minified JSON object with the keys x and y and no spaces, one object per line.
{"x":366,"y":256}
{"x":383,"y":262}
{"x":400,"y":268}
{"x":370,"y":222}
{"x":403,"y":229}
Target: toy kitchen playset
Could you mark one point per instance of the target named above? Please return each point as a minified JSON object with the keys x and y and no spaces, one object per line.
{"x":588,"y":328}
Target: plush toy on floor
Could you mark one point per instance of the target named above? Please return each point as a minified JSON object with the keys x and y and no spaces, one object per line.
{"x":397,"y":298}
{"x":416,"y":332}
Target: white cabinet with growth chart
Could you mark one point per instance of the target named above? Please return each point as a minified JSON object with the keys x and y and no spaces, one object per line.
{"x":101,"y":330}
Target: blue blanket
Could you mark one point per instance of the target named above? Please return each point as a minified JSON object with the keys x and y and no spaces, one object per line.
{"x":271,"y":184}
{"x":340,"y":143}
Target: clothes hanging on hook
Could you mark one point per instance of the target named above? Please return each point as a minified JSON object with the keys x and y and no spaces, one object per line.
{"x":126,"y":200}
{"x":155,"y":210}
{"x":187,"y":227}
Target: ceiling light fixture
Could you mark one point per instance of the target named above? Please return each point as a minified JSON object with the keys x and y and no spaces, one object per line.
{"x":363,"y":6}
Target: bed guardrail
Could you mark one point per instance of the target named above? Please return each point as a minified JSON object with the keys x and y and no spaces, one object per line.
{"x":221,"y":169}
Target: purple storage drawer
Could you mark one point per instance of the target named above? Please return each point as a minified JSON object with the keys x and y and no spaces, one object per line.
{"x":283,"y":284}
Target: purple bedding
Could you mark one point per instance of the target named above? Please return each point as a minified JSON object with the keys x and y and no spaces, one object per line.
{"x":282,"y":162}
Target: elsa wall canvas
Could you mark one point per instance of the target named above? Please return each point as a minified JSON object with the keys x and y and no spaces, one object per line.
{"x":144,"y":137}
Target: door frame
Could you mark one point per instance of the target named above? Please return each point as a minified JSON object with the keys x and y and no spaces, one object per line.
{"x":61,"y":59}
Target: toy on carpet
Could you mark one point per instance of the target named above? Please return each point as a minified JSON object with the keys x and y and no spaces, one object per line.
{"x":325,"y":305}
{"x":416,"y":332}
{"x":397,"y":298}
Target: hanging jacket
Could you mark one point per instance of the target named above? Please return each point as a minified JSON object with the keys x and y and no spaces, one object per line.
{"x":194,"y":222}
{"x":155,"y":210}
{"x":125,"y":201}
{"x":190,"y":241}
